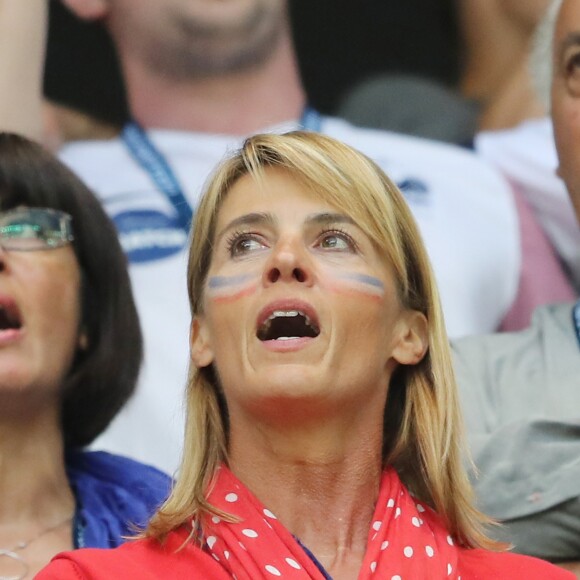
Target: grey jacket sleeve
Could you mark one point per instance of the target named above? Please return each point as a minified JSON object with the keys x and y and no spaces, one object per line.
{"x":521,"y":399}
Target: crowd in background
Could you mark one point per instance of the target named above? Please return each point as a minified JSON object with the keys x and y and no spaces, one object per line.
{"x":450,"y":98}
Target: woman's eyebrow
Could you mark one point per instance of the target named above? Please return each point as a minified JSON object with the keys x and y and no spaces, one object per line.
{"x":267,"y":219}
{"x":570,"y":40}
{"x":327,"y":218}
{"x":249,"y":219}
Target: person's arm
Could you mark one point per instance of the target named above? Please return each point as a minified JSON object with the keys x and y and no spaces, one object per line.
{"x":528,"y":465}
{"x":528,"y":474}
{"x":23,"y":25}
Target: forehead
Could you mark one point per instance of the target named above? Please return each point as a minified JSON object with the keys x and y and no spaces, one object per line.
{"x":274,"y":187}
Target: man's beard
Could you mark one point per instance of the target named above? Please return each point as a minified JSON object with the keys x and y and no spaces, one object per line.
{"x":205,"y":50}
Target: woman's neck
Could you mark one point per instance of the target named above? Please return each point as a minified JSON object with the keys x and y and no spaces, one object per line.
{"x":34,"y":487}
{"x":324,"y":476}
{"x":36,"y":502}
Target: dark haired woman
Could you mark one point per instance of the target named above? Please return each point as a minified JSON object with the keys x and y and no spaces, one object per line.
{"x":70,"y":352}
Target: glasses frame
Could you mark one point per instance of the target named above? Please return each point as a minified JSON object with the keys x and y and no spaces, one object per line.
{"x":63,"y":230}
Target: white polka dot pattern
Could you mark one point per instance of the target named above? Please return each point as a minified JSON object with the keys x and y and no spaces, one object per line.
{"x":274,"y":571}
{"x":406,"y":539}
{"x":293,"y":563}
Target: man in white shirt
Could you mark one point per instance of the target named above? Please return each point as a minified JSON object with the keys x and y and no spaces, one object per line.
{"x":520,"y":391}
{"x":200,"y":75}
{"x":525,"y":153}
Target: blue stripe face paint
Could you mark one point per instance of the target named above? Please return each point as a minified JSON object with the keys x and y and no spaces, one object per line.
{"x":228,"y":288}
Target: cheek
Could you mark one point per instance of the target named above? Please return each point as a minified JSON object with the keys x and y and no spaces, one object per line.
{"x":228,"y":289}
{"x":58,"y":294}
{"x":224,"y":298}
{"x":63,"y":308}
{"x":566,"y":117}
{"x":353,"y":284}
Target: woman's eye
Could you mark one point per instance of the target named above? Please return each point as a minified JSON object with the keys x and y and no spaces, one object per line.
{"x":337,"y":241}
{"x":241,"y":245}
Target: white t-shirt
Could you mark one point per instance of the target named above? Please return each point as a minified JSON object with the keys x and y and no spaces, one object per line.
{"x":464,"y":209}
{"x":527,"y":156}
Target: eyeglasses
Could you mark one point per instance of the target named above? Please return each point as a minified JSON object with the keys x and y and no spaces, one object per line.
{"x":28,"y":229}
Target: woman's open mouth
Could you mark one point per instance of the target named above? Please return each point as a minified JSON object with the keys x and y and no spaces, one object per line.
{"x":10,"y":320}
{"x":287,"y":325}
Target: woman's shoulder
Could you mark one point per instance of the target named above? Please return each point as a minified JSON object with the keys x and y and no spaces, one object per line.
{"x":486,"y":565}
{"x":115,"y":470}
{"x":144,"y":559}
{"x":115,"y":495}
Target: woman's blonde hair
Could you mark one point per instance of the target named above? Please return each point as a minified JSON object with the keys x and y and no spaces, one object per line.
{"x":423,"y":437}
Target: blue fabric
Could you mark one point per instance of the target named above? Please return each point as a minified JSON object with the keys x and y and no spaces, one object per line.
{"x":114,"y":494}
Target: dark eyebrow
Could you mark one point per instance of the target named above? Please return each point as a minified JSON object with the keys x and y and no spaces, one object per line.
{"x":572,"y":39}
{"x":249,"y":219}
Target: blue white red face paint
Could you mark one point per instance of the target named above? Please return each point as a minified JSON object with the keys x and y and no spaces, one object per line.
{"x":231,"y":288}
{"x":359,"y":283}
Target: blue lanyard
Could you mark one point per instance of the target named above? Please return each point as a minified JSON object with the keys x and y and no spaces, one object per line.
{"x":311,"y":120}
{"x":576,"y":320}
{"x":155,"y":164}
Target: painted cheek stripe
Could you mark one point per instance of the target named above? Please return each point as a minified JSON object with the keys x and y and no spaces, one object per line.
{"x":221,"y":282}
{"x":227,"y":288}
{"x":362,"y":283}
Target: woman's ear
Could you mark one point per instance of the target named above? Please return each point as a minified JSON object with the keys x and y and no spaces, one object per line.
{"x":88,"y":9}
{"x":199,"y":342}
{"x":414,"y":339}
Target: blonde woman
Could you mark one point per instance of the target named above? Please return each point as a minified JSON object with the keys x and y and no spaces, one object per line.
{"x":323,"y":436}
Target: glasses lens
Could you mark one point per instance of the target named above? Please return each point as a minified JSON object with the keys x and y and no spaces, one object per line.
{"x":34,"y":229}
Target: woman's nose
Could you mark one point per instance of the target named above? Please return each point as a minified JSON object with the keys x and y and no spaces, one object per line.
{"x":289,"y":261}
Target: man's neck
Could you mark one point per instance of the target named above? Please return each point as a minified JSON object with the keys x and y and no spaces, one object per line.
{"x":237,"y":104}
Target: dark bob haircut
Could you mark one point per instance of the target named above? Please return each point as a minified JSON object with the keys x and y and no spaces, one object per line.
{"x":104,"y":375}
